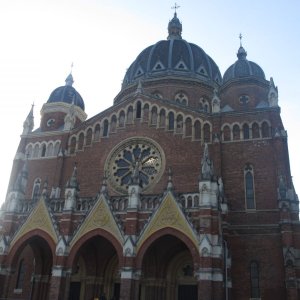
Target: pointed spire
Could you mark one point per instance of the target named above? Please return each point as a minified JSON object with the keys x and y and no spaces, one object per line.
{"x":139,"y":88}
{"x":175,"y":26}
{"x":22,"y":178}
{"x":73,"y":183}
{"x":207,"y":168}
{"x":70,"y":118}
{"x":29,"y":122}
{"x":170,"y":186}
{"x":103,"y":189}
{"x":282,"y":188}
{"x":45,"y":188}
{"x":273,"y":94}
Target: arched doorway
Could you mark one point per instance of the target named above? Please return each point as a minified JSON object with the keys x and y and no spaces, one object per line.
{"x":31,"y":270}
{"x":95,"y":271}
{"x":167,"y":271}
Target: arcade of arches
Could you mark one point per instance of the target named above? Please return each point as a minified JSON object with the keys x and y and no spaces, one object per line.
{"x":167,"y":271}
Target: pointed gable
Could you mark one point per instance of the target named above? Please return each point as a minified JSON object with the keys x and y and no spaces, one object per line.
{"x":38,"y":219}
{"x":99,"y":217}
{"x":170,"y":215}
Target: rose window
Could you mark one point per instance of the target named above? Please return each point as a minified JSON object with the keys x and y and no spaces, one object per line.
{"x":138,"y":158}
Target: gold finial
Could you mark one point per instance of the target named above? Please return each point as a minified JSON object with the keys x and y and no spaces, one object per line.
{"x":175,"y":7}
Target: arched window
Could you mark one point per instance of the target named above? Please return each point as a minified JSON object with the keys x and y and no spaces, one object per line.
{"x":206,"y":133}
{"x":236,"y":132}
{"x":80,"y":141}
{"x":265,"y":130}
{"x":171,"y":121}
{"x":36,"y":189}
{"x":138,"y":110}
{"x":29,"y":151}
{"x":179,"y":124}
{"x":89,"y":137}
{"x":122,"y":119}
{"x":204,"y":104}
{"x":188,"y":127}
{"x":129,"y":115}
{"x":105,"y":128}
{"x":249,"y":187}
{"x":50,"y":150}
{"x":146,"y":112}
{"x":181,"y":98}
{"x":206,"y":107}
{"x":21,"y":275}
{"x":56,"y":148}
{"x":226,"y":133}
{"x":36,"y":151}
{"x":154,"y":116}
{"x":157,"y":95}
{"x":113,"y":123}
{"x":200,"y":106}
{"x":162,"y":118}
{"x":255,"y":131}
{"x":254,"y":279}
{"x":43,"y":150}
{"x":73,"y":145}
{"x":97,"y":132}
{"x":197,"y":127}
{"x":246,"y":133}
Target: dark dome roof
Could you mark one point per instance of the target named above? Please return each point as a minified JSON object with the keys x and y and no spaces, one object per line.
{"x":67,"y":94}
{"x":243,"y":68}
{"x":173,"y":57}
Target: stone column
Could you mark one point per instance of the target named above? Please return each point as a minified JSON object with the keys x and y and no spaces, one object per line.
{"x":57,"y":283}
{"x":130,"y":280}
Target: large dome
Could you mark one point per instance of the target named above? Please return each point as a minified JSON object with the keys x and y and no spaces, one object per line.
{"x":243,"y":68}
{"x":67,"y":94}
{"x":173,"y":57}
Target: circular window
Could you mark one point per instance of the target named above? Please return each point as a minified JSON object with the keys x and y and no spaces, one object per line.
{"x":50,"y":122}
{"x":135,"y":156}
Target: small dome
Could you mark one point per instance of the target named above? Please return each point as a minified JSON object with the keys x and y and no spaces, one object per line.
{"x":67,"y":94}
{"x":173,"y":57}
{"x":243,"y":68}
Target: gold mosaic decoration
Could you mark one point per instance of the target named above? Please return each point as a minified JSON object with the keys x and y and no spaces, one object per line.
{"x":99,"y":217}
{"x":38,"y":219}
{"x":168,"y":215}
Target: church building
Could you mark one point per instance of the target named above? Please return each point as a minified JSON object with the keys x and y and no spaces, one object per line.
{"x":181,"y":190}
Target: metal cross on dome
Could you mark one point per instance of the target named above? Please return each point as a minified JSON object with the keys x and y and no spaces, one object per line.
{"x":175,"y":7}
{"x":240,"y":36}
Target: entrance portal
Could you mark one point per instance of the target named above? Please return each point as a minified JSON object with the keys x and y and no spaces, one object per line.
{"x":74,"y":291}
{"x":95,"y":271}
{"x":187,"y":292}
{"x":167,"y":271}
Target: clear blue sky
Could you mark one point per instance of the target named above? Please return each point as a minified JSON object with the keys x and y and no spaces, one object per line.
{"x":40,"y":39}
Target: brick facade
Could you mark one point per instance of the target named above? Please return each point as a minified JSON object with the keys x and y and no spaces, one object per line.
{"x":197,"y":203}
